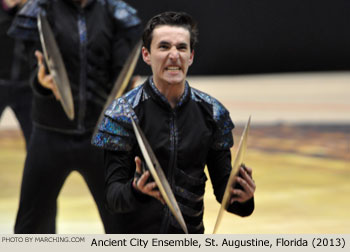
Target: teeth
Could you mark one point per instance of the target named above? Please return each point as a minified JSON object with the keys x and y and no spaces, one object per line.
{"x":173,"y":68}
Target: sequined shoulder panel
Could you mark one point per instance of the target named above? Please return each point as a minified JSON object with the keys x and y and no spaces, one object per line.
{"x":223,"y":135}
{"x":124,"y":13}
{"x":24,"y":25}
{"x":115,"y":131}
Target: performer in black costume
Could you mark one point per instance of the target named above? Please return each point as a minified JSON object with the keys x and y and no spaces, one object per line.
{"x":15,"y":91}
{"x":187,"y":129}
{"x":94,"y":37}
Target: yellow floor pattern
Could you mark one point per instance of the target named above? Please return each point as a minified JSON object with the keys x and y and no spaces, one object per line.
{"x":295,"y":194}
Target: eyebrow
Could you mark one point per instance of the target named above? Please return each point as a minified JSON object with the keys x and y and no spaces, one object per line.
{"x":163,"y":42}
{"x":183,"y":44}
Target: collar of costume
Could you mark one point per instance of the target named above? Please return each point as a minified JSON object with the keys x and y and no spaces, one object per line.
{"x":157,"y":95}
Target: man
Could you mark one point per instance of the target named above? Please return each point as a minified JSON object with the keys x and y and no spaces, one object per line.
{"x":187,"y":130}
{"x":94,"y":38}
{"x":15,"y":91}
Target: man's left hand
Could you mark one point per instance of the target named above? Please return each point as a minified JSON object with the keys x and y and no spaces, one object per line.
{"x":248,"y":186}
{"x":140,"y":184}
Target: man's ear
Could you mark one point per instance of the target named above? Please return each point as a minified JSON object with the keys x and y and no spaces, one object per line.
{"x":191,"y":58}
{"x":146,"y":56}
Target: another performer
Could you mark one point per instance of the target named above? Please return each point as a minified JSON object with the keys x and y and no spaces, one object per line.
{"x":187,"y":130}
{"x":94,"y":37}
{"x":15,"y":91}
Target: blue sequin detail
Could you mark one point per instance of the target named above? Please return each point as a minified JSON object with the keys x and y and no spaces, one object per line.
{"x":174,"y":135}
{"x":223,"y":142}
{"x":184,"y":95}
{"x":115,"y":134}
{"x":155,"y":89}
{"x":30,"y":9}
{"x":82,"y":30}
{"x":135,"y":96}
{"x":111,"y":142}
{"x":218,"y":108}
{"x":164,"y":99}
{"x":124,"y":13}
{"x":120,"y":111}
{"x":122,"y":108}
{"x":27,"y":22}
{"x":223,"y":137}
{"x":24,"y":26}
{"x":115,"y":130}
{"x":112,"y":127}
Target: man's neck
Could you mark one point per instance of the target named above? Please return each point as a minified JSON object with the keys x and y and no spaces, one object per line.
{"x":172,"y":92}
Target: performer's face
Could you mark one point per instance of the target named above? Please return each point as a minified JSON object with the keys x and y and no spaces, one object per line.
{"x":170,"y":55}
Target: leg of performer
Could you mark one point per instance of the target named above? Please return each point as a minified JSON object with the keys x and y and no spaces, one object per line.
{"x":22,"y":107}
{"x":93,"y":172}
{"x":44,"y":174}
{"x":3,"y":98}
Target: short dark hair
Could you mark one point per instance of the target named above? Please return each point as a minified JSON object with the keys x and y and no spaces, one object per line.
{"x":171,"y":18}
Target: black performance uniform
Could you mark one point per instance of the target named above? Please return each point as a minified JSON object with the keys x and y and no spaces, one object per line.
{"x":94,"y":42}
{"x":197,"y":132}
{"x":15,"y":91}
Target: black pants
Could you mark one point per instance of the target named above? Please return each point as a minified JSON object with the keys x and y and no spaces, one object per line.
{"x":19,"y":99}
{"x":51,"y":157}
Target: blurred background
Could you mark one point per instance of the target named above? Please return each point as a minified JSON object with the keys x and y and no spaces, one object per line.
{"x":285,"y":63}
{"x":263,"y":36}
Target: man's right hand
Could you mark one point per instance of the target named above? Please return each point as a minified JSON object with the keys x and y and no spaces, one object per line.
{"x":140,"y":184}
{"x":46,"y":80}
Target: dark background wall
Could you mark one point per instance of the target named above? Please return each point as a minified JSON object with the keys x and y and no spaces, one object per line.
{"x":263,"y":36}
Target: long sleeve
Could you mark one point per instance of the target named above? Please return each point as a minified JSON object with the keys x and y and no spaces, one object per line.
{"x":219,"y":160}
{"x":121,"y":197}
{"x":116,"y":136}
{"x":219,"y":167}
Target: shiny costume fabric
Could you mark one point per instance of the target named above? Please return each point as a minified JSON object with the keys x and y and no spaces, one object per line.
{"x":197,"y":132}
{"x":94,"y":42}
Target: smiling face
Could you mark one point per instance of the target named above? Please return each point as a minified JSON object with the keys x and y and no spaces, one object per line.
{"x":170,"y":55}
